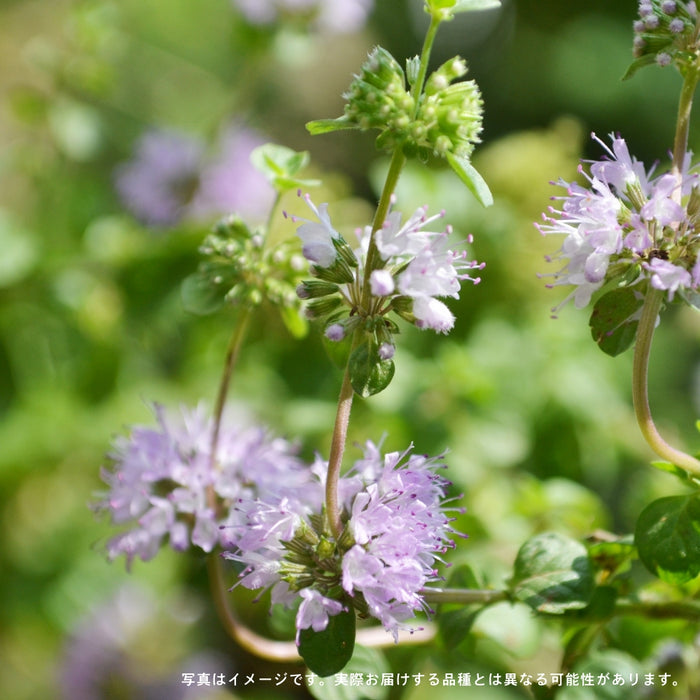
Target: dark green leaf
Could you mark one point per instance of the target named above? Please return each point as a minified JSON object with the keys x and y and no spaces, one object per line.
{"x":553,"y":574}
{"x":668,"y":538}
{"x":455,"y":620}
{"x":611,"y":322}
{"x":328,"y":651}
{"x":364,"y":661}
{"x":369,"y":374}
{"x":471,"y":178}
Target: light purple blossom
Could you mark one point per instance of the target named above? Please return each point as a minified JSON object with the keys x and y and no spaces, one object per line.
{"x":416,"y":267}
{"x":158,"y":184}
{"x":317,"y":236}
{"x":333,"y":16}
{"x":397,"y":529}
{"x":667,"y":276}
{"x":163,"y":482}
{"x":627,"y":218}
{"x":171,"y":178}
{"x":314,"y":611}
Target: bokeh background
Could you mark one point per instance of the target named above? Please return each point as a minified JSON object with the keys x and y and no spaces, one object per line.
{"x":537,"y":420}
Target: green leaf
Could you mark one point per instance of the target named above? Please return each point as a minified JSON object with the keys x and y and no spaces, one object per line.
{"x":295,"y":323}
{"x":455,"y":621}
{"x":328,"y":651}
{"x":200,"y":295}
{"x":280,"y":164}
{"x":471,"y":178}
{"x":364,"y":661}
{"x":553,"y":574}
{"x":369,"y":374}
{"x":475,"y":5}
{"x":325,"y":126}
{"x":667,"y":536}
{"x":607,"y":663}
{"x":611,"y":321}
{"x":646,"y":60}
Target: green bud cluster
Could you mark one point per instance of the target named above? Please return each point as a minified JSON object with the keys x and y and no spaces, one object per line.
{"x":666,"y":33}
{"x":449,"y":116}
{"x":378,"y":99}
{"x":239,"y":269}
{"x":445,"y":119}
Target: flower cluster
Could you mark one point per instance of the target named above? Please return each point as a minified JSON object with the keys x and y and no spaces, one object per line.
{"x":445,"y":119}
{"x":170,"y":178}
{"x":396,"y":527}
{"x":164,"y":482}
{"x":334,"y":16}
{"x":666,"y":32}
{"x":413,"y":267}
{"x":628,"y":226}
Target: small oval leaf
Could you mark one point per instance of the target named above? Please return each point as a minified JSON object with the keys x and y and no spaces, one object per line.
{"x":369,"y":374}
{"x":613,"y":323}
{"x":328,"y":651}
{"x":553,"y":574}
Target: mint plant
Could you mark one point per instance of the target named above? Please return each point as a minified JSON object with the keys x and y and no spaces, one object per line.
{"x":343,"y":544}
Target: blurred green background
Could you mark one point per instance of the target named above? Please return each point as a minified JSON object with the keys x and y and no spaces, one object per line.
{"x":537,"y":420}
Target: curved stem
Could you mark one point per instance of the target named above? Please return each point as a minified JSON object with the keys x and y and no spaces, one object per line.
{"x":640,"y":387}
{"x":273,"y":650}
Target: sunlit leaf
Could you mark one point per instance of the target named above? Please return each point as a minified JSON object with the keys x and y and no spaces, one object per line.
{"x":553,"y":574}
{"x":667,"y":536}
{"x":471,"y":178}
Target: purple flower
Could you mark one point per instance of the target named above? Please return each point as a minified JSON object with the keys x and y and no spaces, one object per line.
{"x":627,"y":219}
{"x":415,"y":267}
{"x":170,"y":179}
{"x":229,"y":182}
{"x":158,"y":184}
{"x":315,"y":610}
{"x":334,"y":16}
{"x":164,"y":482}
{"x":397,"y":529}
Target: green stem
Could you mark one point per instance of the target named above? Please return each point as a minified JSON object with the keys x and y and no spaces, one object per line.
{"x":640,"y":387}
{"x":685,"y":105}
{"x":676,"y":609}
{"x":335,"y":459}
{"x":464,"y":596}
{"x":430,"y":35}
{"x":342,"y":418}
{"x":234,"y":348}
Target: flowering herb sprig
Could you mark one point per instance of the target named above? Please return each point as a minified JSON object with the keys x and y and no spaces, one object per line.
{"x":414,"y":267}
{"x":396,"y":527}
{"x":628,"y":231}
{"x":633,"y":235}
{"x":166,"y":485}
